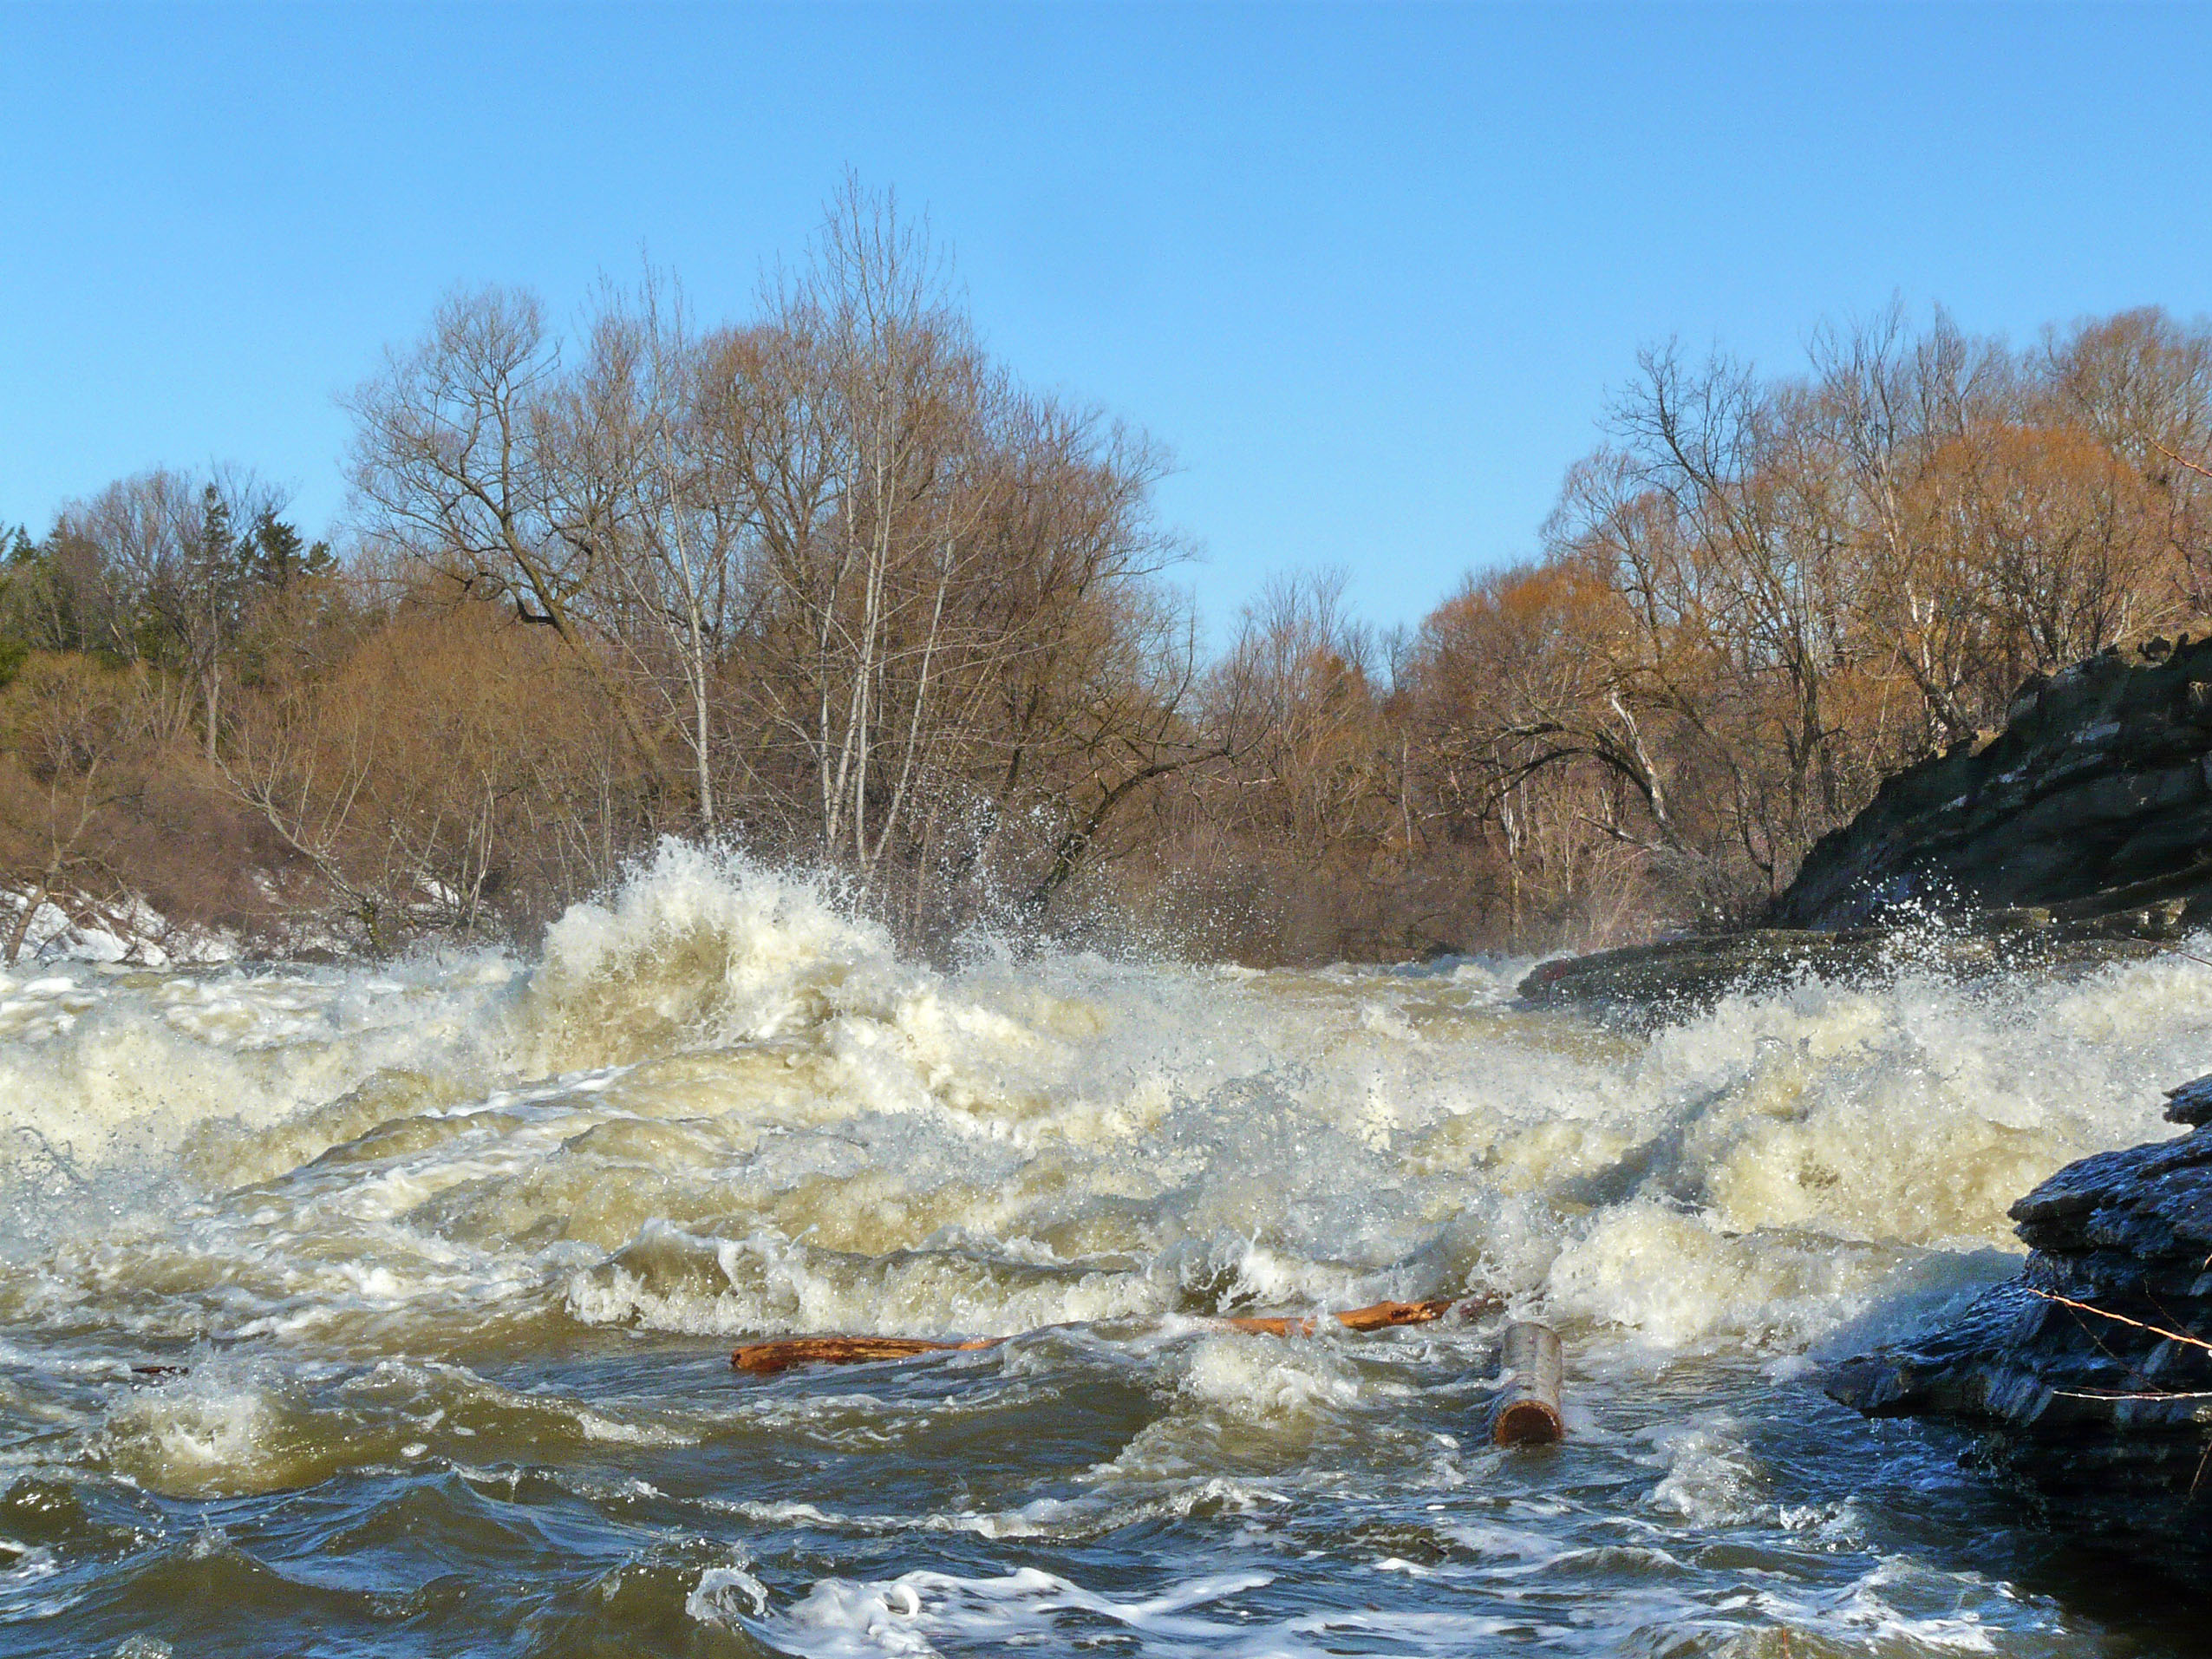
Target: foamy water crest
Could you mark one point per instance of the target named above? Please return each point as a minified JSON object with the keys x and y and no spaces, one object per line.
{"x":469,"y":1232}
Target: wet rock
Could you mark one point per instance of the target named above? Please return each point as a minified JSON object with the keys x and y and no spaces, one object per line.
{"x":2096,"y":800}
{"x":2091,"y":1373}
{"x":2080,"y":834}
{"x":1655,"y":981}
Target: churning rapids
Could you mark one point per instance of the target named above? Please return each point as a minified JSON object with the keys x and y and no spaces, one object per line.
{"x":453,"y":1253}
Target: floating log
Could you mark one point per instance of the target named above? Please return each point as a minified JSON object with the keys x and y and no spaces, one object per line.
{"x":1526,"y":1409}
{"x":766,"y":1358}
{"x":1377,"y":1316}
{"x":1380,"y":1315}
{"x":1267,"y":1324}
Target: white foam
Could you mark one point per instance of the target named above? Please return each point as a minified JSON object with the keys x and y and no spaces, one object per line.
{"x":840,"y":1617}
{"x":215,"y":1431}
{"x":717,"y":1105}
{"x":725,"y":1595}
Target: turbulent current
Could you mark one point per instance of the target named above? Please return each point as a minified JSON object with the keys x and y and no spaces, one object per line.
{"x":388,"y":1310}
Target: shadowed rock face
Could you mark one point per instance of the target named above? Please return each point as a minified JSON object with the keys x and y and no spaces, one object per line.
{"x":2081,"y":833}
{"x":2092,"y":1370}
{"x":2095,"y":798}
{"x":1649,"y":984}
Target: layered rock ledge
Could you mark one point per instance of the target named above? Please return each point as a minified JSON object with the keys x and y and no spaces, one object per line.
{"x":2096,"y":800}
{"x":1653,"y":981}
{"x":2080,"y":834}
{"x":2091,"y":1373}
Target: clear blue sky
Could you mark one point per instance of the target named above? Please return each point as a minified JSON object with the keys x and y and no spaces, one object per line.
{"x":1368,"y":271}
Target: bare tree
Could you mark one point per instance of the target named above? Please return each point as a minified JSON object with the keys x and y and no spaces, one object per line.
{"x":76,"y":750}
{"x":175,"y":561}
{"x":461,"y":457}
{"x":679,"y":522}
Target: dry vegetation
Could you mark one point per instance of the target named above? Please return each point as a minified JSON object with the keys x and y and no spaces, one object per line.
{"x":831,"y":585}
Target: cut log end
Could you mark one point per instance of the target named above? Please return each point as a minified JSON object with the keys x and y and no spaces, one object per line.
{"x":1526,"y":1422}
{"x":1526,"y":1409}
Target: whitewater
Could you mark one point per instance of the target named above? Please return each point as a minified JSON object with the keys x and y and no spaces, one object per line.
{"x":388,"y":1310}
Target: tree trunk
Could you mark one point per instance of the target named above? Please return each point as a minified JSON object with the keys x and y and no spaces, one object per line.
{"x":17,"y":934}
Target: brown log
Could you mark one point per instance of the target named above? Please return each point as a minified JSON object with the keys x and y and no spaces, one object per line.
{"x":1382,"y":1316}
{"x":1265,"y":1324}
{"x":1377,"y":1316}
{"x":1525,"y":1410}
{"x":766,"y":1358}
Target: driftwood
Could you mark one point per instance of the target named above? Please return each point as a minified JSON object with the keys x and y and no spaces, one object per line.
{"x":766,"y":1358}
{"x":1526,"y":1409}
{"x":1378,"y":1316}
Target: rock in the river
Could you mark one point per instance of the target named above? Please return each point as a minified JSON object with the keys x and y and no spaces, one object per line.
{"x":2079,"y":833}
{"x":1662,"y":981}
{"x":2095,"y":800}
{"x":2091,"y":1372}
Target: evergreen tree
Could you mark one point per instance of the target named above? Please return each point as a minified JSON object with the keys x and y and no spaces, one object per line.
{"x":20,"y":566}
{"x":277,"y":555}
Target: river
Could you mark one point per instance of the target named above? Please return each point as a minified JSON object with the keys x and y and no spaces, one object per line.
{"x":451,"y":1253}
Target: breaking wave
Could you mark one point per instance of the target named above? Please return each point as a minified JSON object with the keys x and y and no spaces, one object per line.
{"x":716,"y":1106}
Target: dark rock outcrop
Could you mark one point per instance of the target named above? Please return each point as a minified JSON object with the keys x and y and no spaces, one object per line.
{"x":2095,"y":800}
{"x":1656,"y":981}
{"x":2091,"y":1372}
{"x":2081,"y":832}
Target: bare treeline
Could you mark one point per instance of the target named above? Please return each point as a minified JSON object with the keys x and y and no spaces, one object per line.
{"x":1764,"y":594}
{"x":831,"y":585}
{"x":1760,"y":596}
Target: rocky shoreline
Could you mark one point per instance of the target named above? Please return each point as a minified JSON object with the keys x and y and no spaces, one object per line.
{"x":2094,"y":800}
{"x":2079,"y":834}
{"x":1649,"y":983}
{"x":2089,"y":1374}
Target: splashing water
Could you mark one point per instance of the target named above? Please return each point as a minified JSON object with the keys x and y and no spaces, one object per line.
{"x":451,"y":1254}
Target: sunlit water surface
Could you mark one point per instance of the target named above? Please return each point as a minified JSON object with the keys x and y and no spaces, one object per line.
{"x":453,"y":1254}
